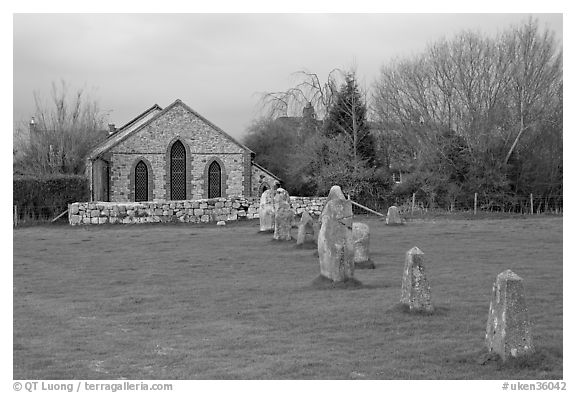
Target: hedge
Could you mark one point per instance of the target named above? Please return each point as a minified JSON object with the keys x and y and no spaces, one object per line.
{"x":41,"y":197}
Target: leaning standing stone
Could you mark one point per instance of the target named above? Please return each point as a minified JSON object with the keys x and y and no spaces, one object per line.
{"x":508,"y":329}
{"x":266,"y":211}
{"x":393,"y":216}
{"x":335,"y":248}
{"x":361,"y":239}
{"x":415,"y":287}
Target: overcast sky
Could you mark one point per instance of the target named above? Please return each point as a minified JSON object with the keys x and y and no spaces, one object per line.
{"x":216,"y":63}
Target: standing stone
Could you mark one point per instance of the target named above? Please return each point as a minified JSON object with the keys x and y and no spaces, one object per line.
{"x":305,"y":226}
{"x":393,"y":216}
{"x":415,"y":287}
{"x":281,"y":195}
{"x":335,"y":248}
{"x":508,"y":329}
{"x":283,"y":221}
{"x":283,"y":215}
{"x":335,"y":193}
{"x":361,"y":240}
{"x":267,"y":211}
{"x":316,"y":225}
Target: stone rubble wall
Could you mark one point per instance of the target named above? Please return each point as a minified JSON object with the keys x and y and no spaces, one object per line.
{"x":313,"y":205}
{"x":196,"y":211}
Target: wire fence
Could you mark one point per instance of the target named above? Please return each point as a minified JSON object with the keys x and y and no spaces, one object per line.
{"x":530,"y":204}
{"x":38,"y":214}
{"x":476,"y":203}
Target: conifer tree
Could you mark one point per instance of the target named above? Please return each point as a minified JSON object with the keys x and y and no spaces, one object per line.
{"x":347,"y":118}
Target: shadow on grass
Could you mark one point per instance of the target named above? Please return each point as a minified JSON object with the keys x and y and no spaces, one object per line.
{"x":542,"y":361}
{"x":323,"y":283}
{"x":369,"y":264}
{"x":268,"y":232}
{"x":307,"y":246}
{"x":403,"y":309}
{"x":282,"y":241}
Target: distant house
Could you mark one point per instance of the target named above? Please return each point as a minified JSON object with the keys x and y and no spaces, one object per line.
{"x":301,"y":125}
{"x":173,"y":154}
{"x":396,"y":154}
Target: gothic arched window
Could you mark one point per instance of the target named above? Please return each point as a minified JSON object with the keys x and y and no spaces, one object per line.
{"x":141,"y":182}
{"x":214,"y":180}
{"x":178,"y":171}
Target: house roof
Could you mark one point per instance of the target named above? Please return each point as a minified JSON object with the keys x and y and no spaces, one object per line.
{"x":294,"y":121}
{"x":289,"y":121}
{"x":138,"y":119}
{"x":145,"y":118}
{"x":266,"y":170}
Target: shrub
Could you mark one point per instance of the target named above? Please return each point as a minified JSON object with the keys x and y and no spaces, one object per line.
{"x":41,"y":197}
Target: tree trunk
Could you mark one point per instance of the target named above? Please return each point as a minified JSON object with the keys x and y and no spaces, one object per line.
{"x":517,"y":136}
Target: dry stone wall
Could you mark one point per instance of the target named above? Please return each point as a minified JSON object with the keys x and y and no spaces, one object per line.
{"x":194,"y":211}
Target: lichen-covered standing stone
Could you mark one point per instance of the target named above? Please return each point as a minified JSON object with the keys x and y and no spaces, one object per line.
{"x":335,"y":193}
{"x":305,"y":226}
{"x":283,"y":215}
{"x":415,"y":287}
{"x":335,"y":248}
{"x":283,"y":221}
{"x":508,"y":329}
{"x":281,"y":195}
{"x":316,"y":225}
{"x":361,"y":240}
{"x":393,"y":216}
{"x":266,"y":211}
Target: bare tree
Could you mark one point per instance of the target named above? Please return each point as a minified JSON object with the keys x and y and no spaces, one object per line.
{"x":60,"y":133}
{"x":536,"y":76}
{"x":309,"y":89}
{"x":491,"y":97}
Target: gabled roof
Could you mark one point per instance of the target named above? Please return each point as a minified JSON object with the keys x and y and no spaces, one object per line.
{"x":146,"y":118}
{"x":124,"y":131}
{"x":214,"y":126}
{"x":138,"y":119}
{"x":266,"y":170}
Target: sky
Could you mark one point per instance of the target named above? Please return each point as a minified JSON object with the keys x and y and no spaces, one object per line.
{"x":218,"y":64}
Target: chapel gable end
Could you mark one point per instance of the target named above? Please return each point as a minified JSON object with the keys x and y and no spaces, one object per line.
{"x":178,"y":121}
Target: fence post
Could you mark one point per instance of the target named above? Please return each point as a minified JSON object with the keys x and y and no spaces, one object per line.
{"x":531,"y":204}
{"x":475,"y":202}
{"x":413,"y":202}
{"x":15,"y":215}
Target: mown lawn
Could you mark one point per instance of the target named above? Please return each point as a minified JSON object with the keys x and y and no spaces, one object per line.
{"x":207,"y":302}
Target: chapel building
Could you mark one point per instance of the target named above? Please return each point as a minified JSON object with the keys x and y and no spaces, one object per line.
{"x":173,"y":154}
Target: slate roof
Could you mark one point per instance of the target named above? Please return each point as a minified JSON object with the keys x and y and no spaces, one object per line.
{"x":266,"y":170}
{"x":145,"y":118}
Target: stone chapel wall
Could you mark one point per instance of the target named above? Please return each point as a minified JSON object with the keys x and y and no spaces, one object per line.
{"x":203,"y":145}
{"x":192,"y":211}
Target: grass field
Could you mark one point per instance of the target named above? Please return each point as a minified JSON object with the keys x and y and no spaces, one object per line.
{"x":207,"y":302}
